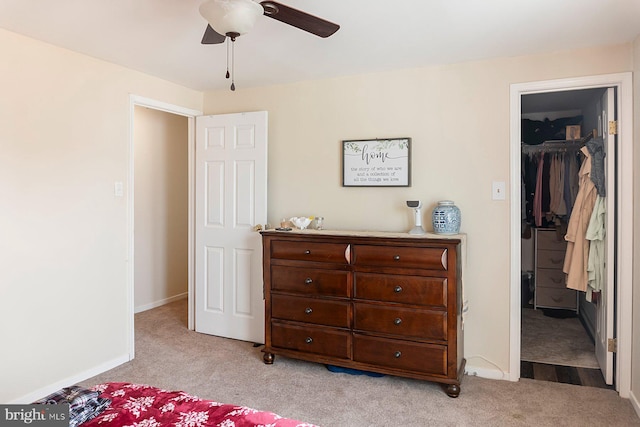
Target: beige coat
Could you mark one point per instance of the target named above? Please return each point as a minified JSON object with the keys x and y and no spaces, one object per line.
{"x":577,"y":256}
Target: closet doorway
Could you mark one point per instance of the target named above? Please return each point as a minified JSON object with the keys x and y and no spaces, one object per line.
{"x":560,"y":336}
{"x":538,"y":244}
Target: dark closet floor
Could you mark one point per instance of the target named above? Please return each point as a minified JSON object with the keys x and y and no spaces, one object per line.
{"x":563,"y":374}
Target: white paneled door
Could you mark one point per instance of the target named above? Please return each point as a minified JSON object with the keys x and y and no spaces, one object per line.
{"x":605,"y":307}
{"x":231,"y":199}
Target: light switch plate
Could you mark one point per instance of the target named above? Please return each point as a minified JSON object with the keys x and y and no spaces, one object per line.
{"x":498,"y":190}
{"x":118,"y":189}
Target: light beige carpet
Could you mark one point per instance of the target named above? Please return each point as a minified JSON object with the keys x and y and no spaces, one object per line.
{"x":171,"y":357}
{"x":555,"y":341}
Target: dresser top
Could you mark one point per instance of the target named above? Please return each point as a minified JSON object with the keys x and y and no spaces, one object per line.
{"x":379,"y":234}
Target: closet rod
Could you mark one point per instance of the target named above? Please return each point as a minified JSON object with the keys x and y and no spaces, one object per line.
{"x":557,"y":146}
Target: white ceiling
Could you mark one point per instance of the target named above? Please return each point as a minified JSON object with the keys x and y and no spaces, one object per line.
{"x":162,"y":37}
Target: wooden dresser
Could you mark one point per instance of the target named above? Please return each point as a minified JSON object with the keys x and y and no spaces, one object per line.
{"x":550,"y":287}
{"x":389,"y":303}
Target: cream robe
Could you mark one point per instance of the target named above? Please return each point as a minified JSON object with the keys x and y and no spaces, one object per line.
{"x":577,"y":255}
{"x":596,"y":233}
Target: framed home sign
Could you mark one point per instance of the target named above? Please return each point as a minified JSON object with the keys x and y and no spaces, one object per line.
{"x":376,"y":163}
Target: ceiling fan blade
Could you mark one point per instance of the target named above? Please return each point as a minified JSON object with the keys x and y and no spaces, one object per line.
{"x":211,"y":37}
{"x":299,"y":19}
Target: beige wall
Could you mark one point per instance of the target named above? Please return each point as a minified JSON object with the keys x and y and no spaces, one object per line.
{"x":161,"y":207}
{"x":458,"y":118}
{"x":635,"y":362}
{"x":64,"y":132}
{"x":64,"y":135}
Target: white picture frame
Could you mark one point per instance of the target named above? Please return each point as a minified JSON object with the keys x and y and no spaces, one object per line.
{"x":376,"y":162}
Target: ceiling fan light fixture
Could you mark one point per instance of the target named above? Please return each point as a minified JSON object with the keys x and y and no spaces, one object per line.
{"x":231,"y":16}
{"x":229,"y":19}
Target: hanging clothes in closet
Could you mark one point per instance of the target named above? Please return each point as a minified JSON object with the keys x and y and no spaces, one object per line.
{"x":584,"y":259}
{"x":550,"y":182}
{"x":577,"y":256}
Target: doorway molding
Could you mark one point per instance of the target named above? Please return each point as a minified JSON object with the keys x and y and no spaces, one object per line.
{"x":190,"y":114}
{"x":624,"y":245}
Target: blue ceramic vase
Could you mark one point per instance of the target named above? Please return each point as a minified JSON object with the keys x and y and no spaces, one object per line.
{"x":446,"y":218}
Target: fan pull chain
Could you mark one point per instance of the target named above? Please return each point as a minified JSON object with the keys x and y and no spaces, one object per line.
{"x":233,"y":63}
{"x":227,"y":75}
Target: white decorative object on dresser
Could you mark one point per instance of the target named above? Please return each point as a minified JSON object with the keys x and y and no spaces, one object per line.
{"x":550,"y":288}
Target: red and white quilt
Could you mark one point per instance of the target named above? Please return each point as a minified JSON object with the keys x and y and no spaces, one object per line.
{"x":139,"y":405}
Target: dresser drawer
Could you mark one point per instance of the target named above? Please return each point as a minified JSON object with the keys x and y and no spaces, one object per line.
{"x":402,"y":289}
{"x":550,"y":278}
{"x":556,"y":298}
{"x":424,"y":358}
{"x":308,"y":251}
{"x":311,"y":310}
{"x":309,"y":339}
{"x":550,"y":259}
{"x":406,"y":322}
{"x":400,"y":256}
{"x":310,"y":281}
{"x":550,"y":239}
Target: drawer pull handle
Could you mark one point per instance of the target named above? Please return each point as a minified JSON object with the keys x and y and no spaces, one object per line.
{"x":307,"y":252}
{"x":397,"y":289}
{"x":555,"y":261}
{"x":397,"y":354}
{"x":396,"y":257}
{"x":397,"y":321}
{"x":556,"y":299}
{"x":308,"y":281}
{"x":556,"y":280}
{"x":308,"y":310}
{"x":308,"y":340}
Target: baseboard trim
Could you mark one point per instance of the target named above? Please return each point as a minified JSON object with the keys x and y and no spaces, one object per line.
{"x":69,"y":381}
{"x":634,"y":402}
{"x":161,"y":302}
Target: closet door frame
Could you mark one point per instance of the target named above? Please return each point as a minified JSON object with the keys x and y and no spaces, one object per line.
{"x":624,"y":238}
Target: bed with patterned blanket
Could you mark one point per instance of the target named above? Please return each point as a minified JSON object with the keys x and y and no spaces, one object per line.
{"x":137,"y":405}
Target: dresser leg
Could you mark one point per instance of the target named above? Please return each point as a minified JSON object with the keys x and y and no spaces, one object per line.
{"x":268,"y":358}
{"x":452,"y":390}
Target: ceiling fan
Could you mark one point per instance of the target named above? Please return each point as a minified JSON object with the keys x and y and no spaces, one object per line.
{"x":229,"y":19}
